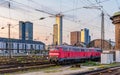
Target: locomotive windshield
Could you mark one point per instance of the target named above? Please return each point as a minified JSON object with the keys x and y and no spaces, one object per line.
{"x":99,"y":50}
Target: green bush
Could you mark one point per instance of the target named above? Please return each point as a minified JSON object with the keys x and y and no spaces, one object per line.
{"x":90,"y":63}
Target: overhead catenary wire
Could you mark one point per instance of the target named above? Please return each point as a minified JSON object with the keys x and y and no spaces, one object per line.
{"x":33,"y":1}
{"x":37,"y":9}
{"x":99,"y":2}
{"x":90,"y":2}
{"x":3,"y":2}
{"x":117,"y":4}
{"x":8,"y":17}
{"x":60,"y":6}
{"x":40,"y":10}
{"x":87,"y":5}
{"x":101,"y":8}
{"x":73,"y":9}
{"x":105,"y":12}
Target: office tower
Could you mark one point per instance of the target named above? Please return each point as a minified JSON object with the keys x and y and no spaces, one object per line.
{"x":85,"y":37}
{"x":55,"y":34}
{"x":59,"y":23}
{"x":25,"y":30}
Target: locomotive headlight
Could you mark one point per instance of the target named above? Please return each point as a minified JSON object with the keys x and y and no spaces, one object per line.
{"x":46,"y":57}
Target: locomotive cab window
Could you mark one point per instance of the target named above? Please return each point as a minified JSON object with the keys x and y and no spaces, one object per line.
{"x":98,"y":50}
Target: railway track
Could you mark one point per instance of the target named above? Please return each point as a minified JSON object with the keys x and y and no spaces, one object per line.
{"x":22,"y":67}
{"x":106,"y":71}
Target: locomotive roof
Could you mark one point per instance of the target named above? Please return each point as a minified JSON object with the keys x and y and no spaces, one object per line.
{"x":69,"y":46}
{"x":76,"y":47}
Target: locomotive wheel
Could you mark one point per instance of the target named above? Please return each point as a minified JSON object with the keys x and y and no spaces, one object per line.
{"x":91,"y":57}
{"x":50,"y":61}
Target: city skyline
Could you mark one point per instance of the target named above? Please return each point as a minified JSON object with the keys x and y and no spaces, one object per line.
{"x":42,"y":27}
{"x":82,"y":36}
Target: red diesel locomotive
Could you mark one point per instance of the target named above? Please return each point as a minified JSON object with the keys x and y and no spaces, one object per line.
{"x":63,"y":54}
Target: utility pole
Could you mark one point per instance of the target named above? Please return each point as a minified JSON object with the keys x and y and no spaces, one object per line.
{"x":102,"y":23}
{"x":9,"y":42}
{"x":102,"y":31}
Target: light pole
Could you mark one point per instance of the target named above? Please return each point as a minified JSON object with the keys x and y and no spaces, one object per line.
{"x":102,"y":23}
{"x":59,"y":22}
{"x":45,"y":17}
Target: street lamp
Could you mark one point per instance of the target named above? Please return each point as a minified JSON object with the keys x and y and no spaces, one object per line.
{"x":102,"y":23}
{"x":45,"y":17}
{"x":42,"y":18}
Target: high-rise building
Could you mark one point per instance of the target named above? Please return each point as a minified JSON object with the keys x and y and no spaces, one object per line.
{"x":75,"y":37}
{"x":89,"y":38}
{"x":85,"y":37}
{"x":29,"y":30}
{"x":25,"y":30}
{"x":55,"y":34}
{"x":80,"y":36}
{"x":59,"y":29}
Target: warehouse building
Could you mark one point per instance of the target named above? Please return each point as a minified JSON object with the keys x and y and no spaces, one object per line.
{"x":108,"y":44}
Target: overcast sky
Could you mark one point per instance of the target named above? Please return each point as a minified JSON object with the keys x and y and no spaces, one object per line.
{"x":81,"y":18}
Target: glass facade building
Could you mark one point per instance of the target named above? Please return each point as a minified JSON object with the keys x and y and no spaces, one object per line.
{"x":25,"y":30}
{"x":85,"y":37}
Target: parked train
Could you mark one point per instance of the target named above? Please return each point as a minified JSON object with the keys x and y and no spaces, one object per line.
{"x":63,"y":54}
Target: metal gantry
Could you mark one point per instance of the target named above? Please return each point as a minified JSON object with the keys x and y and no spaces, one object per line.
{"x":102,"y":23}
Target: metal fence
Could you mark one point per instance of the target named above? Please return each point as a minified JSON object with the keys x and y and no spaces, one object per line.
{"x":22,"y":52}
